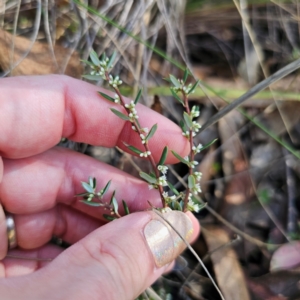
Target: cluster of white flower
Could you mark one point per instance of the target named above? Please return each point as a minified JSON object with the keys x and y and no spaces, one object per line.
{"x":196,"y":126}
{"x":145,"y":154}
{"x":192,"y":206}
{"x":143,"y":138}
{"x":193,"y":163}
{"x":162,"y":169}
{"x":162,"y":181}
{"x":187,"y":134}
{"x":198,"y":175}
{"x":90,"y":197}
{"x":197,"y":149}
{"x":196,"y":189}
{"x":182,"y":87}
{"x":195,"y":113}
{"x":117,"y":99}
{"x":114,"y":82}
{"x":133,"y":113}
{"x":168,"y":198}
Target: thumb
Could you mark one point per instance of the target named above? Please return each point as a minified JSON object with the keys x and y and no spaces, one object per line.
{"x":117,"y":261}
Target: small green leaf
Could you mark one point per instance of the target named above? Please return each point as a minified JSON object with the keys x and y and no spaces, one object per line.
{"x":94,"y":204}
{"x":138,"y":96}
{"x":92,"y":182}
{"x":177,"y":206}
{"x":175,"y":81}
{"x":109,"y":218}
{"x":194,"y":86}
{"x":103,"y":56}
{"x":180,"y":158}
{"x":120,"y":115}
{"x":87,"y":62}
{"x":82,"y":194}
{"x":133,"y":149}
{"x":191,"y":181}
{"x":112,"y":59}
{"x":167,"y":79}
{"x":87,"y":187}
{"x":92,"y":77}
{"x":152,"y":174}
{"x":163,"y":156}
{"x":182,"y":126}
{"x":105,"y":188}
{"x":148,"y":178}
{"x":185,"y":75}
{"x":209,"y":144}
{"x":177,"y":97}
{"x":187,"y":120}
{"x":173,"y":189}
{"x":151,"y":132}
{"x":138,"y":123}
{"x":114,"y":203}
{"x":107,"y":97}
{"x":94,"y":58}
{"x":126,"y":209}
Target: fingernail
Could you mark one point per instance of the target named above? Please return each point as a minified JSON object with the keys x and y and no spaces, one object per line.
{"x":164,"y":243}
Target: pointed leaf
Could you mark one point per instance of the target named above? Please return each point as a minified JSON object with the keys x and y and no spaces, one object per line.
{"x":194,"y":86}
{"x":175,"y":81}
{"x":177,"y":206}
{"x":185,"y":75}
{"x":107,"y":97}
{"x":209,"y":144}
{"x":182,"y":126}
{"x":94,"y":58}
{"x":87,"y":62}
{"x":92,"y":77}
{"x":187,"y":120}
{"x":151,"y":132}
{"x":138,"y":96}
{"x":105,"y":188}
{"x":114,"y":203}
{"x":120,"y":115}
{"x":177,"y":97}
{"x":94,"y":204}
{"x":173,"y":189}
{"x":92,"y":182}
{"x":112,"y":59}
{"x":82,"y":195}
{"x":87,"y":187}
{"x":180,"y":158}
{"x":148,"y":178}
{"x":167,"y":79}
{"x":109,"y":217}
{"x":126,"y":209}
{"x":191,"y":181}
{"x":103,"y":56}
{"x":163,"y":156}
{"x":133,"y":149}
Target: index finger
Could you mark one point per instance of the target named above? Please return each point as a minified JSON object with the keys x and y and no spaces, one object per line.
{"x":37,"y":111}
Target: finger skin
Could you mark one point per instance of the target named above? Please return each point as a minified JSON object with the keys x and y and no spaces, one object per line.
{"x":36,"y":111}
{"x":113,"y":262}
{"x":38,"y":183}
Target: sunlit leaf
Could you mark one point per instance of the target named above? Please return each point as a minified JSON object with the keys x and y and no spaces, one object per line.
{"x":180,"y":158}
{"x":120,"y":115}
{"x":209,"y":144}
{"x":187,"y":120}
{"x":112,"y":59}
{"x":114,"y":203}
{"x":148,"y":178}
{"x":191,"y":181}
{"x":107,"y":97}
{"x":126,"y":209}
{"x":106,"y":188}
{"x":92,"y":77}
{"x":94,"y":204}
{"x":94,"y":58}
{"x":175,"y":81}
{"x":151,"y":132}
{"x":163,"y":156}
{"x":185,"y":75}
{"x":177,"y":97}
{"x":133,"y":149}
{"x":87,"y":187}
{"x":173,"y":189}
{"x":194,"y":86}
{"x":138,"y":96}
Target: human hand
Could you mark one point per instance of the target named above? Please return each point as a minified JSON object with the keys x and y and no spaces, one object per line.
{"x":38,"y":184}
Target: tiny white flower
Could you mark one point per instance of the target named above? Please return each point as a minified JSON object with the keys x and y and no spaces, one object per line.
{"x":162,"y":169}
{"x":198,"y":175}
{"x":193,"y":163}
{"x":165,"y":195}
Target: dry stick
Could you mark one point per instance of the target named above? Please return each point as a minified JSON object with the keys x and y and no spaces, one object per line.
{"x":193,"y":251}
{"x":254,"y":90}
